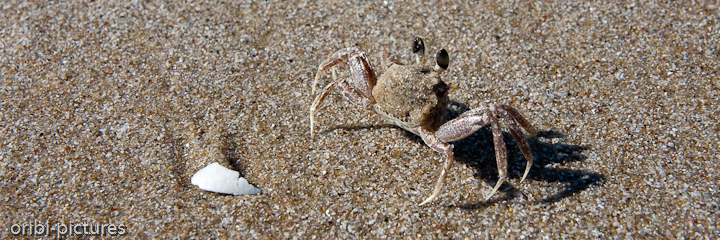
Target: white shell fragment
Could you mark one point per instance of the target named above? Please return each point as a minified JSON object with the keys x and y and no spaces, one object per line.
{"x":216,"y":178}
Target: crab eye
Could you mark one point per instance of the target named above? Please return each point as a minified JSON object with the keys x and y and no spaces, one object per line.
{"x":418,"y":46}
{"x":442,"y":59}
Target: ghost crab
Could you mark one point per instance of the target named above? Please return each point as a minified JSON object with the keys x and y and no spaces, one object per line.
{"x":414,"y":98}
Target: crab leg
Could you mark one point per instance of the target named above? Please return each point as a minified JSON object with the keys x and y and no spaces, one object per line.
{"x":520,"y":140}
{"x":517,"y":117}
{"x":348,"y":91}
{"x":500,"y":153}
{"x":318,"y":100}
{"x":440,"y":146}
{"x":363,"y":77}
{"x":464,"y":125}
{"x":469,"y":122}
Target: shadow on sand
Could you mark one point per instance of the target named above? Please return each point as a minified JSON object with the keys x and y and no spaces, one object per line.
{"x":477,"y":152}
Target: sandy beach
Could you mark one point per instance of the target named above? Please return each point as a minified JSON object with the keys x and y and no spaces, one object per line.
{"x":108,"y":108}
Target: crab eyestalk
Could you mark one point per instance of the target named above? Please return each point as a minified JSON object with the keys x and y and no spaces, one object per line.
{"x":418,"y":48}
{"x":442,"y":61}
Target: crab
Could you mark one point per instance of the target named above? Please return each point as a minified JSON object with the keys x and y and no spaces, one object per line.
{"x":414,"y":98}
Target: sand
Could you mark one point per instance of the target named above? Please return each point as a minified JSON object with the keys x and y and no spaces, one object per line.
{"x":109,"y":107}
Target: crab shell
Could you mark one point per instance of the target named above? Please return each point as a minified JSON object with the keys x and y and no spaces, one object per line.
{"x":412,"y":96}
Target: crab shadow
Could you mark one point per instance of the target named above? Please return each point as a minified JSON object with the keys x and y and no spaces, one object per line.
{"x":477,"y":151}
